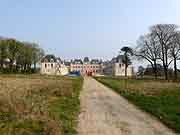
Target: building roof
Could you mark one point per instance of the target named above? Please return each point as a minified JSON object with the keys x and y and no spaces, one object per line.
{"x":119,"y":59}
{"x":86,"y":59}
{"x":77,"y":61}
{"x":95,"y":61}
{"x":67,"y":63}
{"x":50,"y":58}
{"x":58,"y":60}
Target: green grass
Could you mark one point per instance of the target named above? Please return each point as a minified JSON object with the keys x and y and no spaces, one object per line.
{"x":160,"y":98}
{"x":26,"y":127}
{"x":38,"y":105}
{"x":66,"y":109}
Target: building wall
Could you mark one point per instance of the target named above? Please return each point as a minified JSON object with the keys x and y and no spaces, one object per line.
{"x":53,"y":68}
{"x":62,"y":70}
{"x":119,"y":70}
{"x":48,"y":68}
{"x":108,"y":69}
{"x":86,"y":68}
{"x":115,"y":69}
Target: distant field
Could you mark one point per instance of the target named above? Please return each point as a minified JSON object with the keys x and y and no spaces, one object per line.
{"x":160,"y":98}
{"x":38,"y":105}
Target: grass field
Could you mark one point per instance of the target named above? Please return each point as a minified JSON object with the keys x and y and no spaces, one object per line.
{"x":160,"y":98}
{"x":38,"y":105}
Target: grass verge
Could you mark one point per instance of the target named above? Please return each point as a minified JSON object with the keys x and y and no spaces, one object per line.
{"x":66,"y":109}
{"x":160,"y":98}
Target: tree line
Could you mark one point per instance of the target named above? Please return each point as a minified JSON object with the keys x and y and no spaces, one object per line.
{"x":160,"y":46}
{"x":17,"y":56}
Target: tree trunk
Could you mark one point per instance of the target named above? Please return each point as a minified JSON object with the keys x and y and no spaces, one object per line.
{"x":1,"y":62}
{"x":166,"y":73}
{"x":126,"y":70}
{"x":166,"y":64}
{"x":155,"y":70}
{"x":11,"y":65}
{"x":34,"y":65}
{"x":165,"y":69}
{"x":175,"y":69}
{"x":164,"y":60}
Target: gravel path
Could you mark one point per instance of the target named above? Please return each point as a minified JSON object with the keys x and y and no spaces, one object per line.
{"x":103,"y":112}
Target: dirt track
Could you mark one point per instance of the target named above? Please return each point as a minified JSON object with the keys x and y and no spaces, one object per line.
{"x":104,"y":112}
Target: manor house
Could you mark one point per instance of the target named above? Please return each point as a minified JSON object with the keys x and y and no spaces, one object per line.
{"x":86,"y":66}
{"x":50,"y":65}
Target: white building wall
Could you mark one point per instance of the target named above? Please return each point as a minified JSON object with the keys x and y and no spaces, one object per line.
{"x":53,"y":68}
{"x":62,"y":70}
{"x":48,"y":68}
{"x":119,"y":70}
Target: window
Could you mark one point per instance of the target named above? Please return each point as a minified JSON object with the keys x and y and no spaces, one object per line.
{"x":45,"y":65}
{"x":51,"y":65}
{"x":52,"y":60}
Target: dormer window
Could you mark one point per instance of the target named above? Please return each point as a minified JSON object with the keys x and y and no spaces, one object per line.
{"x":52,"y":60}
{"x":45,"y":60}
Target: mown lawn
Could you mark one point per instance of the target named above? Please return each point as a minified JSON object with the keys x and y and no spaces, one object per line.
{"x":160,"y":98}
{"x":39,"y":105}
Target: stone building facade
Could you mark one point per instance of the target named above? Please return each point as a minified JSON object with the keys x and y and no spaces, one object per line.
{"x":86,"y":67}
{"x":115,"y":67}
{"x":50,"y":65}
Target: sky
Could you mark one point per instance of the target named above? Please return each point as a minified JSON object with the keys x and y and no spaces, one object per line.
{"x":78,"y":28}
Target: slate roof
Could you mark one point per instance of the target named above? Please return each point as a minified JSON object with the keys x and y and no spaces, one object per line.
{"x":117,"y":59}
{"x":86,"y":59}
{"x":95,"y":61}
{"x":77,"y":61}
{"x":67,"y":63}
{"x":50,"y":58}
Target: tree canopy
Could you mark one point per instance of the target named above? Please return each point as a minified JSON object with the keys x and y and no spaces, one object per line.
{"x":16,"y":56}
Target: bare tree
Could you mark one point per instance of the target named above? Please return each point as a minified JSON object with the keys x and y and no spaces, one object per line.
{"x":164,"y":34}
{"x":175,"y":52}
{"x":148,"y":49}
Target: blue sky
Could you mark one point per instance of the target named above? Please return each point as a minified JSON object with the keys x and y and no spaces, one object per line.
{"x":78,"y":28}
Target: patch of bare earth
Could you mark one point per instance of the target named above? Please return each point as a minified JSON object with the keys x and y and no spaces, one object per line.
{"x":103,"y":112}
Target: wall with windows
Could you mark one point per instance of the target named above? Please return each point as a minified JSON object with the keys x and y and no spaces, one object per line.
{"x":48,"y":68}
{"x":86,"y":68}
{"x":119,"y":70}
{"x":53,"y":68}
